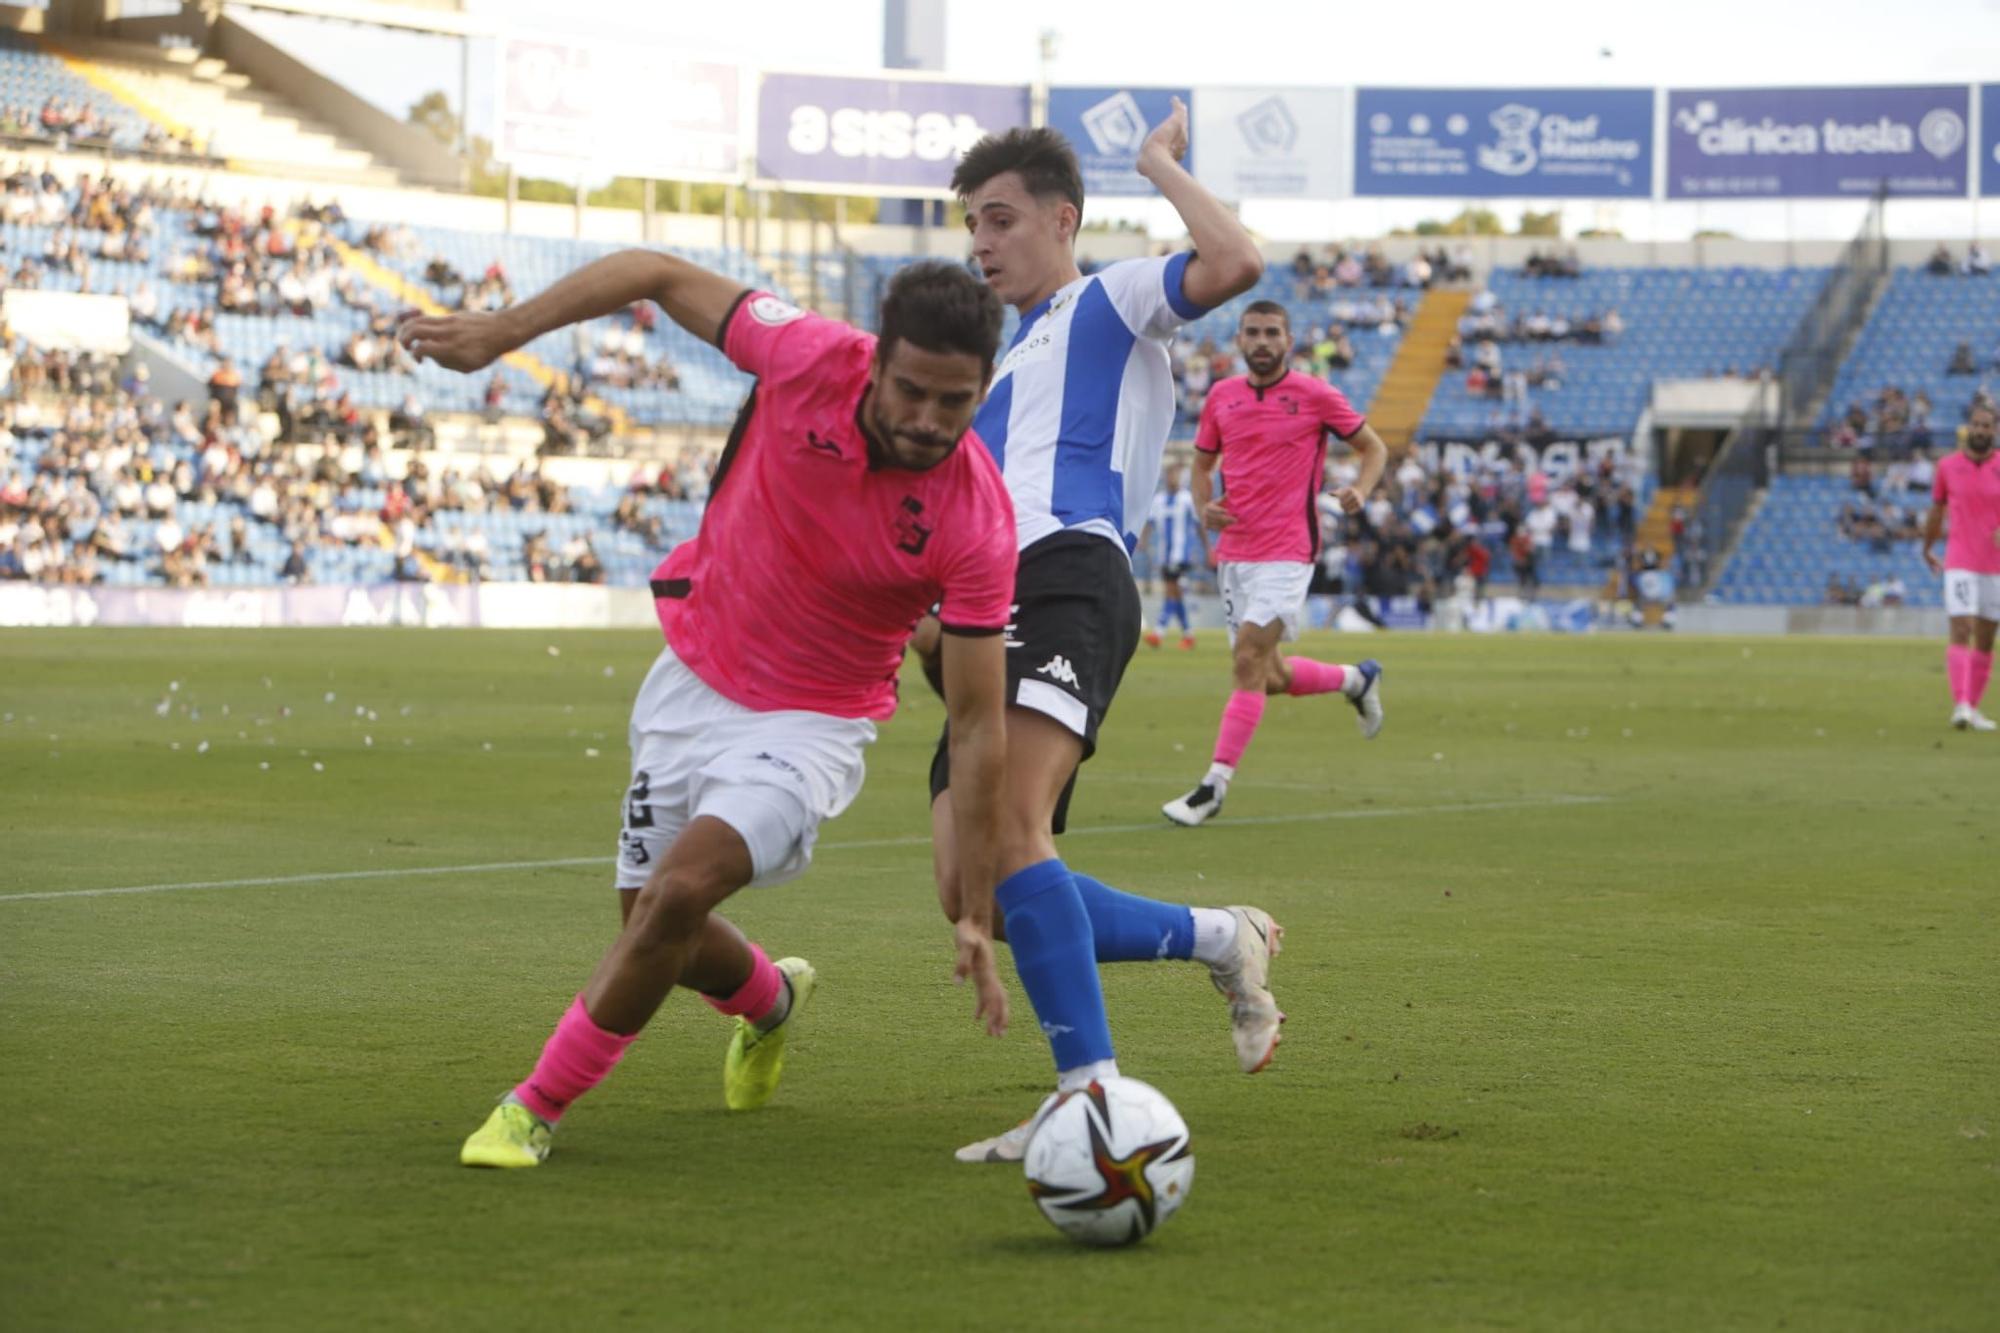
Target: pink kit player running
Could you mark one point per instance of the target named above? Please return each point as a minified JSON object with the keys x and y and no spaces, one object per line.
{"x":1967,"y":496}
{"x":851,"y":496}
{"x":1267,"y":432}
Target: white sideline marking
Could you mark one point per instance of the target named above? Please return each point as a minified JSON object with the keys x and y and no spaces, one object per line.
{"x":327,"y":877}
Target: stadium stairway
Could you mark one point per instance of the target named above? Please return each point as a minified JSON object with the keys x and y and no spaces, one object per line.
{"x":1656,"y":527}
{"x":412,"y":297}
{"x":1413,"y":377}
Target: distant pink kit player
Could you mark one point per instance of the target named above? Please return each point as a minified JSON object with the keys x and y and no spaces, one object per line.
{"x":1267,"y":433}
{"x":846,"y":502}
{"x":1966,"y":498}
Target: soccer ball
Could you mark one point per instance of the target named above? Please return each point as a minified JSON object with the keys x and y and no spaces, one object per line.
{"x":1111,"y":1162}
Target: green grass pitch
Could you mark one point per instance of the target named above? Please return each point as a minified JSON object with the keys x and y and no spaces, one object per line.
{"x":1717,"y":1047}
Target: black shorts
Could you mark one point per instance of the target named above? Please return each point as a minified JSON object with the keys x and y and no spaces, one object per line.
{"x":1175,"y":572}
{"x":1076,"y":626}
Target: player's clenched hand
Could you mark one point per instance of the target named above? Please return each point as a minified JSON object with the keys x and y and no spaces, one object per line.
{"x":456,"y":342}
{"x":1350,"y":500}
{"x":1214,"y":517}
{"x":1936,"y":566}
{"x":975,"y":961}
{"x":1169,"y":137}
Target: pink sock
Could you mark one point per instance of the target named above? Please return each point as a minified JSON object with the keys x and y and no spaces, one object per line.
{"x":1958,"y":668}
{"x":754,"y":998}
{"x":1310,"y":677}
{"x":578,"y":1056}
{"x":1240,"y":717}
{"x":1975,"y":682}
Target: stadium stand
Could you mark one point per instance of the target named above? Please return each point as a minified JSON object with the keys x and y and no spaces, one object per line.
{"x":1816,"y":539}
{"x":1909,"y":345}
{"x":1596,"y":371}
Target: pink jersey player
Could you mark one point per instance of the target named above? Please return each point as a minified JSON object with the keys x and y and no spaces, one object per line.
{"x":1267,"y":432}
{"x":851,"y":497}
{"x":1966,"y":497}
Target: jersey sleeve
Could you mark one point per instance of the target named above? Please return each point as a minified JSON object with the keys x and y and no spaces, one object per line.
{"x":1941,"y":487}
{"x":770,"y":337}
{"x":1150,"y":295}
{"x":977,"y":572}
{"x":1208,"y":435}
{"x":1339,"y":415}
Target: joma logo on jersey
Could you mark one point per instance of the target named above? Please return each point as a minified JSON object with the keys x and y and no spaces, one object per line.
{"x":1057,"y":668}
{"x":912,"y":534}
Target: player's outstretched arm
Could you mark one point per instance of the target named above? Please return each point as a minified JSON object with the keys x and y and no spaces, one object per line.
{"x":975,"y":692}
{"x":1227,"y":262}
{"x":693,"y":298}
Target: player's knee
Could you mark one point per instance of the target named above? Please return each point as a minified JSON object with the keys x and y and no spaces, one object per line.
{"x":674,"y":905}
{"x":1250,"y":668}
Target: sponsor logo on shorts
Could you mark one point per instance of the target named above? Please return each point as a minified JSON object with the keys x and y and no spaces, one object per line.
{"x":783,"y":765}
{"x":1058,"y":669}
{"x":634,"y":852}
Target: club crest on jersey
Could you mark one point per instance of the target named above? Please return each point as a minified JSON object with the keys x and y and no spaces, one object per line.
{"x":912,"y":534}
{"x":1291,"y":406}
{"x":771,"y":310}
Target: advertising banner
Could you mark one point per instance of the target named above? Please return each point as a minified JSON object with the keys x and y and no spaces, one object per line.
{"x":1106,"y":126}
{"x":1817,"y":143}
{"x":1560,"y":459}
{"x":1544,"y":143}
{"x":897,"y":136}
{"x":568,"y":106}
{"x":1273,"y":143}
{"x":1989,"y":135}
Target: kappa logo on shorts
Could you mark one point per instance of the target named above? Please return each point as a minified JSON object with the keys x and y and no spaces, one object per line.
{"x":1057,"y":668}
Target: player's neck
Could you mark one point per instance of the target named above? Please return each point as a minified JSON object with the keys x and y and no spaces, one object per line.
{"x":1060,"y":279}
{"x":1266,"y":381}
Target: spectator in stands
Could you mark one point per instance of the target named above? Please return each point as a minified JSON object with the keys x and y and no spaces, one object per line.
{"x":1977,"y":265}
{"x":1940,"y":264}
{"x":1962,"y":361}
{"x":1521,"y":549}
{"x":295,"y":569}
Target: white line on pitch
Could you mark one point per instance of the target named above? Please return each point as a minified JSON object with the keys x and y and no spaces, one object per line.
{"x":1150,"y":826}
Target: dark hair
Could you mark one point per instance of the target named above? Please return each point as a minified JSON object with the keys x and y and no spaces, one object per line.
{"x":1268,"y":308}
{"x":1044,"y":159}
{"x":941,"y":307}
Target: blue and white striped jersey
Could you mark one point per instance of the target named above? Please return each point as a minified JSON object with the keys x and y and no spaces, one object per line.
{"x":1083,"y":400}
{"x":1174,"y":522}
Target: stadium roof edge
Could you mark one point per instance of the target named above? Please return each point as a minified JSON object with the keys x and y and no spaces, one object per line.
{"x":378,"y":13}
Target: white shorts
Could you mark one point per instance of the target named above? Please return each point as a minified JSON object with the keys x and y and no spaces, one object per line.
{"x":1967,"y":593}
{"x":773,"y":777}
{"x":1265,"y":592}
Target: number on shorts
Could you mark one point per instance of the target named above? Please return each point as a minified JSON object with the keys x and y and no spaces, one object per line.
{"x":1959,"y":594}
{"x":638,"y":814}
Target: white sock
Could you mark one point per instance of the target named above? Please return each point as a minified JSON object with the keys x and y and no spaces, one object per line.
{"x":1214,"y":934}
{"x":1220,"y":775}
{"x":1074,"y":1080}
{"x":1352,"y":682}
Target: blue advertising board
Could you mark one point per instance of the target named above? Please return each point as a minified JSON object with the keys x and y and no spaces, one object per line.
{"x":1106,"y":126}
{"x":1989,"y":136}
{"x":876,"y":135}
{"x":1817,"y":143}
{"x":1577,"y":143}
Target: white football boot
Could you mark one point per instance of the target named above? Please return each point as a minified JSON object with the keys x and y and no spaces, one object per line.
{"x":1244,"y":979}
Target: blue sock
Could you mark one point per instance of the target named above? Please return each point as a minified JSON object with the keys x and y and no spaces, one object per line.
{"x":1131,"y":929}
{"x":1049,"y":932}
{"x":1180,"y":613}
{"x":1166,"y":613}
